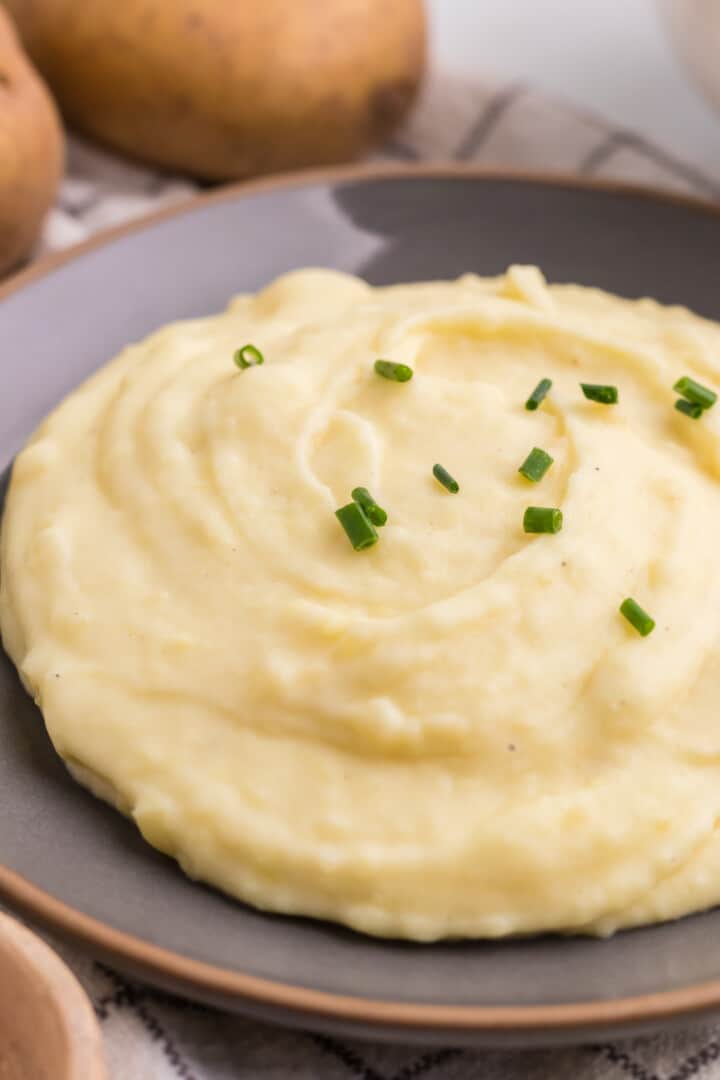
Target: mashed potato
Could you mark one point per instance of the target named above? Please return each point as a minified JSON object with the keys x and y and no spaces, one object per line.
{"x":454,"y":732}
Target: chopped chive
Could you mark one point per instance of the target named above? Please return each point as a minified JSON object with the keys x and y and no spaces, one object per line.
{"x":365,"y":501}
{"x":604,"y":395}
{"x":689,"y":408}
{"x":535,"y":465}
{"x":638,"y":618}
{"x":538,"y":395}
{"x":248,"y":356}
{"x":444,"y":477}
{"x":395,"y":372}
{"x":361,"y":532}
{"x":542,"y":519}
{"x":695,"y":392}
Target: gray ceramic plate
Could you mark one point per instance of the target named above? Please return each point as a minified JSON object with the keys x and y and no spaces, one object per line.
{"x":78,"y":866}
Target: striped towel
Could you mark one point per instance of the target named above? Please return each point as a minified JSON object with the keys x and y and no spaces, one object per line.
{"x":455,"y":120}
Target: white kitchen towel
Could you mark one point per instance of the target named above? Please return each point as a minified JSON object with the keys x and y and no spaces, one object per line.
{"x":455,"y":120}
{"x":150,"y":1036}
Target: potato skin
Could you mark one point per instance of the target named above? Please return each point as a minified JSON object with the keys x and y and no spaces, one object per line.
{"x":31,"y":150}
{"x":225,"y":89}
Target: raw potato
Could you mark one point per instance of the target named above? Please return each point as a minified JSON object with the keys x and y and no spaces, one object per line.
{"x":225,"y":90}
{"x":31,"y":150}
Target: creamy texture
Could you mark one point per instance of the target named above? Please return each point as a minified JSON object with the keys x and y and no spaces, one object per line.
{"x":454,"y":732}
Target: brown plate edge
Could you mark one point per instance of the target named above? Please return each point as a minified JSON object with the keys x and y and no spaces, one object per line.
{"x":217,"y":983}
{"x":345,"y":174}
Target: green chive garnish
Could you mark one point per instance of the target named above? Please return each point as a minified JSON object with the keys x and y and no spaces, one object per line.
{"x":535,"y":465}
{"x":538,"y":395}
{"x":365,"y":501}
{"x":689,"y":408}
{"x":542,"y":519}
{"x":638,"y":618}
{"x":395,"y":372}
{"x":604,"y":395}
{"x":695,"y":392}
{"x":248,"y":356}
{"x":361,"y":532}
{"x":444,"y":477}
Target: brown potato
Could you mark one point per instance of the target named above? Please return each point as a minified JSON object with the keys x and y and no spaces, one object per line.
{"x":31,"y":150}
{"x":225,"y":89}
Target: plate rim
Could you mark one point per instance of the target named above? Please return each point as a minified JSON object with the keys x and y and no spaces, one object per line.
{"x":210,"y":980}
{"x":449,"y":170}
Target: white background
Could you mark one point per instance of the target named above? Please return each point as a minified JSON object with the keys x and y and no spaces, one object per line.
{"x":608,"y":55}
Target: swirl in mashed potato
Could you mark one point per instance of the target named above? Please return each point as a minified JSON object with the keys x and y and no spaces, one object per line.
{"x":453,"y":733}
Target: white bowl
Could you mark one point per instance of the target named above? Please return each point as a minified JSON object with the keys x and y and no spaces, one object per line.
{"x":694,"y":28}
